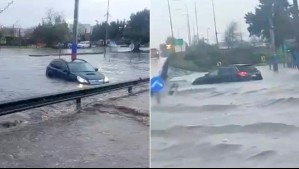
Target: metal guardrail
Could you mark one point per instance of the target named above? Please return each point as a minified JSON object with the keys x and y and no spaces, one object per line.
{"x":40,"y":101}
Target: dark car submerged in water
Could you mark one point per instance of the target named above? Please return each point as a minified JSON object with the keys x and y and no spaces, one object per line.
{"x":76,"y":71}
{"x":233,"y":73}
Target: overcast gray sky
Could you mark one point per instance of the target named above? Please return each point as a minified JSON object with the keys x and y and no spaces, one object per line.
{"x":226,"y":11}
{"x":30,"y":12}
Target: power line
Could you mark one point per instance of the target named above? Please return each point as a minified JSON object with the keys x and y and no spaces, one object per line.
{"x":6,"y":7}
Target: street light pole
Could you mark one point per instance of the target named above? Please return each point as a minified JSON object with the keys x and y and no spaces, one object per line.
{"x":196,"y":20}
{"x":106,"y":32}
{"x":215,"y":25}
{"x":188,"y":21}
{"x":170,"y":19}
{"x":75,"y":31}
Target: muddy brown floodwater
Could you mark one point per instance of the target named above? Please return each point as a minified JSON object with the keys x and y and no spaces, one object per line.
{"x":106,"y":133}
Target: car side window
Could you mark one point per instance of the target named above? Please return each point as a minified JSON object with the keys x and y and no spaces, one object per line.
{"x":56,"y":64}
{"x":214,"y":73}
{"x":64,"y":67}
{"x":227,"y":71}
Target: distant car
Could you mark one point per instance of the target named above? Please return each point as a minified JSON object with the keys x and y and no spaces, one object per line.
{"x":234,"y":73}
{"x":77,"y":71}
{"x":69,"y":45}
{"x":59,"y":46}
{"x":84,"y":44}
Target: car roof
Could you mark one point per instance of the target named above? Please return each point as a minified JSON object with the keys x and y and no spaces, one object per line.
{"x":242,"y":65}
{"x":78,"y":60}
{"x":226,"y":67}
{"x":61,"y":60}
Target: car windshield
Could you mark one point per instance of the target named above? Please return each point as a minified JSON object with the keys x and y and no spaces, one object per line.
{"x":80,"y":67}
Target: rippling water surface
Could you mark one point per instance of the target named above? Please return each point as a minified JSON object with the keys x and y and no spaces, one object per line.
{"x":22,"y":76}
{"x":247,"y":124}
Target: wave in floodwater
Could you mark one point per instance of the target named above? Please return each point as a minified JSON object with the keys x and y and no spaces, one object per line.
{"x":257,"y":128}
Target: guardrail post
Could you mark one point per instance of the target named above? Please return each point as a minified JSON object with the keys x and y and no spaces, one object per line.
{"x":78,"y":103}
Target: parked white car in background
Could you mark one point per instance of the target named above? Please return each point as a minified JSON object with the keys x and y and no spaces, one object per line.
{"x":84,"y":44}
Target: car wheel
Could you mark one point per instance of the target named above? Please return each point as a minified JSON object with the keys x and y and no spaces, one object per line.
{"x":233,"y":79}
{"x":49,"y":74}
{"x":260,"y":77}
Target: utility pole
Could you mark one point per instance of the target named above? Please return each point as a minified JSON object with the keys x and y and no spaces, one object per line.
{"x":208,"y":38}
{"x":272,"y":37}
{"x":13,"y":30}
{"x":215,"y":25}
{"x":107,"y":25}
{"x":188,"y":22}
{"x":296,"y":12}
{"x":194,"y":34}
{"x":296,"y":21}
{"x":20,"y":37}
{"x":196,"y":20}
{"x":296,"y":17}
{"x":75,"y":31}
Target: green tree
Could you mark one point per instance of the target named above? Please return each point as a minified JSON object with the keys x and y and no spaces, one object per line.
{"x":99,"y":32}
{"x":170,"y":40}
{"x":280,"y":12}
{"x":53,"y":30}
{"x":203,"y":55}
{"x":116,"y":29}
{"x":138,"y":27}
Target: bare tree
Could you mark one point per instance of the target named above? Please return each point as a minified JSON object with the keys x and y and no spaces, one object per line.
{"x":53,"y":17}
{"x":231,"y":35}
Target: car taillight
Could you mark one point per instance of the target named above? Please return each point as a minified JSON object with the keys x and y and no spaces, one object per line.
{"x":242,"y":74}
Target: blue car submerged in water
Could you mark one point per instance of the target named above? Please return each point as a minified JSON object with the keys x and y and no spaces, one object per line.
{"x":76,"y":71}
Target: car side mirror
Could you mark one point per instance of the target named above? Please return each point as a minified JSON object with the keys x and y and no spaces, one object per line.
{"x":65,"y":71}
{"x":96,"y":69}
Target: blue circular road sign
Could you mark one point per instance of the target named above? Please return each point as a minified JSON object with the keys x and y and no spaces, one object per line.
{"x":157,"y":84}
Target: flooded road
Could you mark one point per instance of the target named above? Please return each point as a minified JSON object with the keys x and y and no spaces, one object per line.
{"x":247,"y":124}
{"x":104,"y":134}
{"x":23,"y":76}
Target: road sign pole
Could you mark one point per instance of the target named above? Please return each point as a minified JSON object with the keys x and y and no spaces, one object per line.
{"x":75,"y":31}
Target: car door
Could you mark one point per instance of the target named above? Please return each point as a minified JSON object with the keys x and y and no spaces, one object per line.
{"x":60,"y":72}
{"x":227,"y":74}
{"x":65,"y":72}
{"x":212,"y":76}
{"x":55,"y":68}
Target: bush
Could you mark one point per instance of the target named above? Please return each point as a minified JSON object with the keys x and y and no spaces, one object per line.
{"x":203,"y":57}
